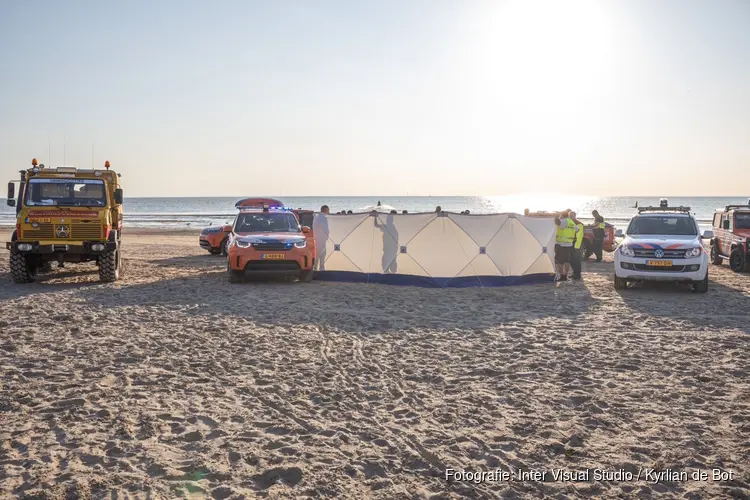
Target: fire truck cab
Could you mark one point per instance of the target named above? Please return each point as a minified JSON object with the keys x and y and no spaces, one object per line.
{"x":66,"y":214}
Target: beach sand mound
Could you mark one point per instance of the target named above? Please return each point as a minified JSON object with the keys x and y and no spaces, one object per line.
{"x":174,"y":383}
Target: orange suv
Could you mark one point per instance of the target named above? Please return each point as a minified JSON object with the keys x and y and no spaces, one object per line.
{"x":269,"y":242}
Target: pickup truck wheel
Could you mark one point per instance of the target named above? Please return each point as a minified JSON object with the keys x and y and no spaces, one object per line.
{"x":701,"y":286}
{"x":737,"y":260}
{"x":620,"y":283}
{"x":109,"y":266}
{"x":306,"y":276}
{"x":715,"y":255}
{"x":224,"y":247}
{"x":21,"y":268}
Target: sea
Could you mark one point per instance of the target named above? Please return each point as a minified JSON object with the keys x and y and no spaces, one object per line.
{"x":189,"y":213}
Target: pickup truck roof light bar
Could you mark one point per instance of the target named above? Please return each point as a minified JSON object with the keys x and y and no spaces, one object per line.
{"x":664,"y":209}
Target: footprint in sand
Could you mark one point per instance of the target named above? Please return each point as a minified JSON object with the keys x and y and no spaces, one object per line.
{"x":289,"y":476}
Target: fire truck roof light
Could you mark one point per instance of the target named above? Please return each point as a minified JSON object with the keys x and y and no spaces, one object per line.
{"x":34,"y":163}
{"x":106,"y":164}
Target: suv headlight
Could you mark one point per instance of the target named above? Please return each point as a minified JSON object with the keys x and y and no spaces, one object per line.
{"x":626,"y":250}
{"x":693,"y":252}
{"x":300,"y":244}
{"x":243,"y":244}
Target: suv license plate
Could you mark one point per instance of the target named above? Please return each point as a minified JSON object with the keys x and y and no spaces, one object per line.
{"x":272,"y":256}
{"x":659,"y":263}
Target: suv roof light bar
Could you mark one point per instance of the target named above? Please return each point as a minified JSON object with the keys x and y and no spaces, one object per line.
{"x":663,"y":209}
{"x":736,"y":206}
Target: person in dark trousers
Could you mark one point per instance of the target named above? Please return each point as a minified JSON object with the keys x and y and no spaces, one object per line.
{"x":596,"y":245}
{"x":575,"y":251}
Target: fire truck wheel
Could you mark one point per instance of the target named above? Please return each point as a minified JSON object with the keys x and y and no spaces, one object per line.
{"x":715,"y":256}
{"x":109,"y":266}
{"x":737,"y":260}
{"x":21,"y":268}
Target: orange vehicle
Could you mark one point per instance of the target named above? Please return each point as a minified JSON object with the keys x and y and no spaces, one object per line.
{"x":270,"y":242}
{"x":215,"y":238}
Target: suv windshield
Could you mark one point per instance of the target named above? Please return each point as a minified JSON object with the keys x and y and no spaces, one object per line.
{"x":667,"y":225}
{"x":66,"y":193}
{"x":267,"y":222}
{"x":742,"y":220}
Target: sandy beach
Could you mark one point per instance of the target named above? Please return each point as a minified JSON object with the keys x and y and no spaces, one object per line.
{"x":174,"y":383}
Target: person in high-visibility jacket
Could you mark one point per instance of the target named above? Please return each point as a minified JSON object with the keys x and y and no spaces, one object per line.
{"x":596,"y":246}
{"x":564,"y":239}
{"x":575,"y":251}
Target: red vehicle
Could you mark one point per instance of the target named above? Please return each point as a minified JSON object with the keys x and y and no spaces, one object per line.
{"x":731,"y":237}
{"x":215,"y":238}
{"x":270,"y":242}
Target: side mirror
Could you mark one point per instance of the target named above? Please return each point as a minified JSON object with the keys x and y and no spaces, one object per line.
{"x":11,"y":194}
{"x":227,"y":228}
{"x":707,"y":235}
{"x":11,"y":203}
{"x":118,"y":196}
{"x":306,"y":229}
{"x":618,"y":233}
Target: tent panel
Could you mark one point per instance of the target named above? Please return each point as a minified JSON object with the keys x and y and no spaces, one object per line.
{"x":358,"y":245}
{"x":540,"y":228}
{"x":405,"y":227}
{"x":480,"y":228}
{"x":338,"y":261}
{"x":442,"y":248}
{"x":544,"y":264}
{"x":513,"y":249}
{"x":481,"y":265}
{"x":337,"y":226}
{"x":405,"y":264}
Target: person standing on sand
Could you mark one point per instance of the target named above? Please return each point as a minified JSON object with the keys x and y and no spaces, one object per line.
{"x":566,"y":234}
{"x":596,"y":245}
{"x":575,"y":251}
{"x":321,"y":237}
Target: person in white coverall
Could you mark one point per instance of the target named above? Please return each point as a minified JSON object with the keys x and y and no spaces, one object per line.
{"x":320,"y":232}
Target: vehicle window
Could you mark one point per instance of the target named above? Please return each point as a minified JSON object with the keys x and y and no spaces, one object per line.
{"x":730,"y":221}
{"x":267,"y":222}
{"x":717,"y":220}
{"x":65,"y":192}
{"x":663,"y":225}
{"x":742,"y":220}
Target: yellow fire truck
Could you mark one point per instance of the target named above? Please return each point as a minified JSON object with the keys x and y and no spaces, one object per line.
{"x":65,"y":214}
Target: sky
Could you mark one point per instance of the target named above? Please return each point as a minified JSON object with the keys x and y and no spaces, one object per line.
{"x":425,"y":97}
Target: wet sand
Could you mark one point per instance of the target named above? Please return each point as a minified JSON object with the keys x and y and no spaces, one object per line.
{"x":172,"y":382}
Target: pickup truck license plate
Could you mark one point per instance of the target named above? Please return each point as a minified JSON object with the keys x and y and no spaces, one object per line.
{"x":272,"y":256}
{"x":659,"y":263}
